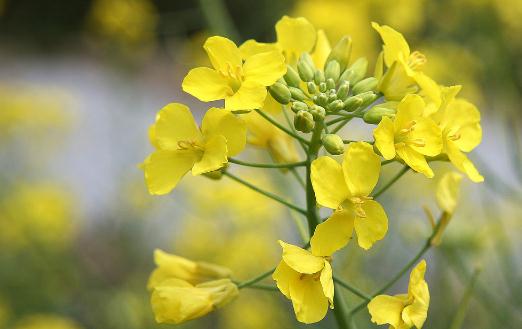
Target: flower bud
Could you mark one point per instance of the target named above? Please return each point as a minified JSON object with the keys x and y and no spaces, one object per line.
{"x":292,"y":77}
{"x":321,"y":99}
{"x":330,"y":83}
{"x":333,"y":144}
{"x":335,"y":106}
{"x":216,"y":174}
{"x":368,"y":98}
{"x":341,"y":52}
{"x":297,"y":94}
{"x":280,"y":92}
{"x":356,"y":71}
{"x":323,"y":87}
{"x":365,"y":85}
{"x":332,"y":95}
{"x":305,"y":67}
{"x":304,"y":121}
{"x":343,"y":90}
{"x":318,"y":112}
{"x":352,"y":103}
{"x":318,"y":77}
{"x":375,"y":114}
{"x":332,"y":70}
{"x":299,"y":106}
{"x":312,"y":88}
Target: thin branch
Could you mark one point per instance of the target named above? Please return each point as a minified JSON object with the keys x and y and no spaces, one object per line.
{"x":391,"y":182}
{"x":280,"y":126}
{"x":267,"y":165}
{"x":354,"y":290}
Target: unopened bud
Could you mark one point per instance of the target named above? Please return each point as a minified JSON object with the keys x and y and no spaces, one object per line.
{"x":352,"y":103}
{"x":356,"y":71}
{"x":292,"y":77}
{"x":341,"y":52}
{"x":318,"y":112}
{"x":215,"y":175}
{"x":335,"y":106}
{"x":332,"y":70}
{"x":365,"y":85}
{"x":322,"y":87}
{"x":304,"y":121}
{"x":297,"y":94}
{"x":333,"y":144}
{"x":299,"y":106}
{"x":321,"y":99}
{"x":305,"y":68}
{"x":375,"y":114}
{"x":332,"y":95}
{"x":319,"y":77}
{"x":330,"y":83}
{"x":343,"y":90}
{"x":312,"y":88}
{"x":280,"y":92}
{"x":368,"y":98}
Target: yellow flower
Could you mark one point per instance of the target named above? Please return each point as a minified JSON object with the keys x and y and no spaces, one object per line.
{"x":406,"y":310}
{"x":305,"y":279}
{"x":403,"y":65}
{"x":411,"y":136}
{"x":461,"y":132}
{"x":241,"y":82}
{"x":448,"y":192}
{"x":346,"y":188}
{"x":176,"y":301}
{"x":175,"y":267}
{"x":181,"y":146}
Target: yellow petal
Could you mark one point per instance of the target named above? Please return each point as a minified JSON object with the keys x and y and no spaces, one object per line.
{"x":409,"y":109}
{"x":415,"y":314}
{"x":295,"y":36}
{"x":322,"y":49}
{"x":250,"y":95}
{"x":430,"y":134}
{"x":385,"y":138}
{"x":415,"y":160}
{"x":252,"y":47}
{"x":462,"y":163}
{"x":284,"y":275}
{"x":214,"y":155}
{"x":223,"y":53}
{"x":448,"y":191}
{"x":373,"y":227}
{"x":206,"y":84}
{"x":301,"y":260}
{"x":395,"y":46}
{"x":265,"y":68}
{"x":164,"y":169}
{"x":327,"y":282}
{"x":332,"y":234}
{"x":175,"y":123}
{"x":328,"y":182}
{"x":361,"y":167}
{"x":386,"y":309}
{"x":222,"y":122}
{"x":464,"y":118}
{"x":308,"y":299}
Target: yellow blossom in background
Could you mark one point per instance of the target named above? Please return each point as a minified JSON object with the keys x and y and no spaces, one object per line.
{"x":411,"y":136}
{"x":346,"y":188}
{"x":305,"y":279}
{"x":448,"y":193}
{"x":406,"y":310}
{"x":45,"y":321}
{"x":241,"y":82}
{"x":182,"y":146}
{"x":295,"y":36}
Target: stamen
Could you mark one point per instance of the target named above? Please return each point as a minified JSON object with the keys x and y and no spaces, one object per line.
{"x":416,"y":60}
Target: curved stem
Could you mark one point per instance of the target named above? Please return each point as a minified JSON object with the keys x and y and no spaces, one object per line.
{"x":265,"y":287}
{"x":268,"y":165}
{"x":391,"y":182}
{"x":280,"y":126}
{"x":385,"y":162}
{"x":250,"y":282}
{"x":265,"y":193}
{"x":354,"y":290}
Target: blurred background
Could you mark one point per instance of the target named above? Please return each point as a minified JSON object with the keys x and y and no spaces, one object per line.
{"x":80,"y":82}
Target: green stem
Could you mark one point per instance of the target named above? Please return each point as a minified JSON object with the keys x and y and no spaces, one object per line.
{"x":268,"y":165}
{"x":391,"y":182}
{"x":298,"y":178}
{"x":265,"y":287}
{"x":311,"y":203}
{"x":354,"y":290}
{"x":265,"y":193}
{"x":460,"y":314}
{"x":385,"y":162}
{"x":248,"y":283}
{"x":340,"y":311}
{"x":218,"y":18}
{"x":280,"y":126}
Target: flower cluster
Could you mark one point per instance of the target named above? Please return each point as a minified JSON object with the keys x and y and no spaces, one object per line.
{"x":301,"y":91}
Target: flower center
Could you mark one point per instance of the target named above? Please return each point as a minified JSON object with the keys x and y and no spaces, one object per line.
{"x":357,"y":203}
{"x":403,"y":139}
{"x":190,"y":145}
{"x":234,"y":75}
{"x":416,"y":60}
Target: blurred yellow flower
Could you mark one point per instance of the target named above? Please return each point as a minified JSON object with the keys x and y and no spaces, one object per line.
{"x":411,"y":136}
{"x":305,"y":279}
{"x":181,"y":146}
{"x":346,"y":189}
{"x":240,"y":81}
{"x":46,"y":321}
{"x":295,"y":36}
{"x":406,"y":310}
{"x":448,"y":193}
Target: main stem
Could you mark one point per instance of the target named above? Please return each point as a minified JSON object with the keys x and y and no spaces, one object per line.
{"x":315,"y":144}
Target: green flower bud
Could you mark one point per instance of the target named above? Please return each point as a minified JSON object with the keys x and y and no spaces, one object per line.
{"x":332,"y":70}
{"x":281,"y":80}
{"x":304,"y":121}
{"x":365,"y":85}
{"x":216,"y":174}
{"x":343,"y":90}
{"x":356,"y":71}
{"x":332,"y":95}
{"x":375,"y":114}
{"x":297,"y":94}
{"x":312,"y":88}
{"x":341,"y":52}
{"x":368,"y":98}
{"x":292,"y":77}
{"x":299,"y":106}
{"x":321,"y":99}
{"x":335,"y":106}
{"x":305,"y":67}
{"x":333,"y":144}
{"x":322,"y":87}
{"x":352,"y":103}
{"x":319,"y":77}
{"x":280,"y":92}
{"x":330,"y":83}
{"x":318,"y":112}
